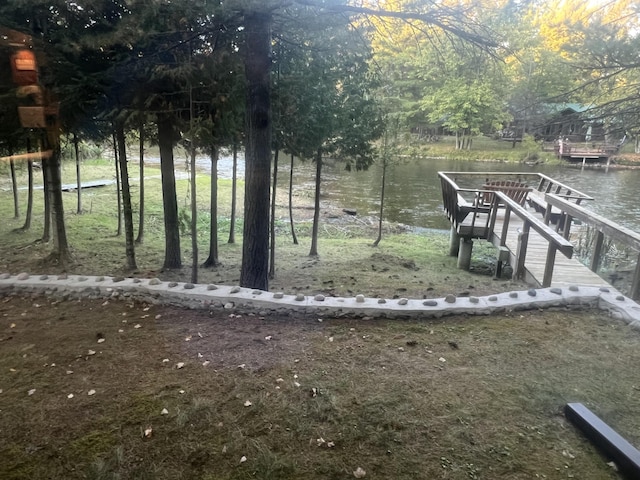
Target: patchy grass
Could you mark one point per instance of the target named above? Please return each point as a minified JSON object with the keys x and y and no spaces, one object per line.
{"x":403,"y":265}
{"x":460,"y":398}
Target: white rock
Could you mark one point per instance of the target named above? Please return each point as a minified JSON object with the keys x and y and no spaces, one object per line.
{"x":164,"y":412}
{"x":359,"y":473}
{"x":91,"y":392}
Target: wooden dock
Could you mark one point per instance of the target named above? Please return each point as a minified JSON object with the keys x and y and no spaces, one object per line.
{"x":566,"y":271}
{"x":531,"y":233}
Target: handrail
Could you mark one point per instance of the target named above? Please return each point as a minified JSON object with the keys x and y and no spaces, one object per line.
{"x":604,"y":227}
{"x":570,"y":192}
{"x":457,"y":208}
{"x":545,"y":184}
{"x":556,"y":241}
{"x":611,"y":228}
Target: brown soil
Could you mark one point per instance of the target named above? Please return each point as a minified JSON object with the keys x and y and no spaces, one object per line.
{"x":82,"y":381}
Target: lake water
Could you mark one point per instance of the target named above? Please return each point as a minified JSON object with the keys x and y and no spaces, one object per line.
{"x":413,"y":195}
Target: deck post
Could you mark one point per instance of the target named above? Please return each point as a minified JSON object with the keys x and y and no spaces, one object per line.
{"x":568,"y":219}
{"x":454,"y":242}
{"x":464,"y":255}
{"x":548,"y":267}
{"x":505,"y":226}
{"x":521,"y":251}
{"x":635,"y":286}
{"x":597,"y":252}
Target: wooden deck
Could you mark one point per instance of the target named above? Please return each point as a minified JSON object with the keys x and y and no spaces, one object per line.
{"x":566,"y":271}
{"x":526,"y":232}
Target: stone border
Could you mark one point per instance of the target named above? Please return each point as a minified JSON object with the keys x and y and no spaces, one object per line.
{"x":200,"y":296}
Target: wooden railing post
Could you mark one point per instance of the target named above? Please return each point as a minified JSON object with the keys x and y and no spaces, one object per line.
{"x":567,"y":226}
{"x":635,"y":286}
{"x":548,"y":267}
{"x":597,"y":251}
{"x":505,"y":226}
{"x":521,"y":250}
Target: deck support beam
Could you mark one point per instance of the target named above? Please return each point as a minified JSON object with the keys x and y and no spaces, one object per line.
{"x":625,"y":455}
{"x":464,"y":255}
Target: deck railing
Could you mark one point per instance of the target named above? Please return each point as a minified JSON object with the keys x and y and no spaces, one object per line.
{"x":472,"y":217}
{"x":603,"y":227}
{"x":556,"y":241}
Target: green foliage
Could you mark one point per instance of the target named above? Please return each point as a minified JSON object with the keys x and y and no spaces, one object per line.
{"x":323,"y":96}
{"x":466,"y":107}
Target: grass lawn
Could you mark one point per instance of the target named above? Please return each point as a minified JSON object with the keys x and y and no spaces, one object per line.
{"x":94,"y":390}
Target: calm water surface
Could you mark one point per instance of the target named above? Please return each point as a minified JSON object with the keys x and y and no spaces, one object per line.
{"x":413,"y":195}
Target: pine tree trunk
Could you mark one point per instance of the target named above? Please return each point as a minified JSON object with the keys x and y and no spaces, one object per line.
{"x":272,"y":226}
{"x":27,"y":219}
{"x":234,"y":195}
{"x":14,"y":188}
{"x":382,"y":191}
{"x":255,"y":246}
{"x":78,"y":182}
{"x":116,"y":156}
{"x":46,"y":230}
{"x":316,"y":206}
{"x":194,"y":213}
{"x":28,"y":215}
{"x":212,"y":260}
{"x":126,"y":198}
{"x":293,"y":230}
{"x":172,"y":258}
{"x":140,"y":237}
{"x":60,"y":253}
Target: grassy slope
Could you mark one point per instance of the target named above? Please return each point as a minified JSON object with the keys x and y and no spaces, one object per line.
{"x":403,"y":265}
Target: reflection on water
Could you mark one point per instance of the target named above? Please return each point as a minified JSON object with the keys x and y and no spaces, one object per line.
{"x":413,"y":195}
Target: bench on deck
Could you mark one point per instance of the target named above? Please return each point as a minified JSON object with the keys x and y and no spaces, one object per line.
{"x":517,"y":191}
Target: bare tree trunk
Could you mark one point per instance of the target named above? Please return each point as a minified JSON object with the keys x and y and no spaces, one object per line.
{"x":140,"y":237}
{"x":234,"y":200}
{"x":382,"y":191}
{"x":316,"y":206}
{"x":293,"y":229}
{"x":194,"y":214}
{"x":255,"y":246}
{"x":166,"y":135}
{"x":272,"y":226}
{"x":46,"y":230}
{"x":60,"y":253}
{"x":78,"y":182}
{"x":14,"y":188}
{"x":212,"y":260}
{"x":126,"y":197}
{"x":118,"y":188}
{"x":28,"y":215}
